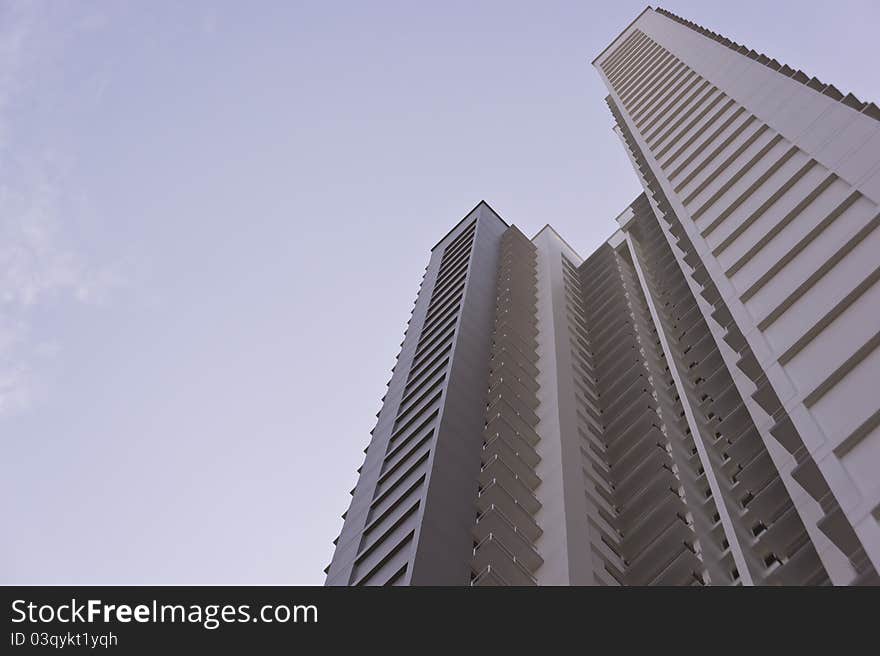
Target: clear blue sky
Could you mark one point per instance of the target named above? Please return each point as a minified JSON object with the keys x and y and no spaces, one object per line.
{"x":213,"y":221}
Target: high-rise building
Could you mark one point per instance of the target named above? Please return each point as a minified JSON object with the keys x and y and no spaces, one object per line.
{"x":694,"y":403}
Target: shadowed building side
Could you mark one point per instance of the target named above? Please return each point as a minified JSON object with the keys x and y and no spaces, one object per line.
{"x":411,"y":516}
{"x":766,"y":182}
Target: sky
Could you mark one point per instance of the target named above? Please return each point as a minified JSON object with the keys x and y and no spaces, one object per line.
{"x":214,"y":217}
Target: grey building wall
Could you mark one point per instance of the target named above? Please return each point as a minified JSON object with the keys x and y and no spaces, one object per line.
{"x":411,"y":513}
{"x":444,"y":541}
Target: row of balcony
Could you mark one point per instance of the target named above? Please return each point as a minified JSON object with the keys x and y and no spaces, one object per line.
{"x":771,"y":531}
{"x":505,"y":528}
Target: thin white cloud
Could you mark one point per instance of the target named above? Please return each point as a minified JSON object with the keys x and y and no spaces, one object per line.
{"x":39,"y":264}
{"x":36,"y":262}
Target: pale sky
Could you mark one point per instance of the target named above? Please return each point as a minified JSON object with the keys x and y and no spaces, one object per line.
{"x":214,"y":217}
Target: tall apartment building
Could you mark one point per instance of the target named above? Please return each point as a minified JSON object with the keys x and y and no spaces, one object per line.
{"x":695,"y":403}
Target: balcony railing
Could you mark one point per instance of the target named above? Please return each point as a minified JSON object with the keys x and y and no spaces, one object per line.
{"x":491,"y":553}
{"x":507,"y":469}
{"x":495,"y":522}
{"x":489,"y":577}
{"x":496,"y":495}
{"x":518,"y":493}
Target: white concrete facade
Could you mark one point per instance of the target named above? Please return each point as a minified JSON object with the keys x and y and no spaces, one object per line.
{"x":775,"y":181}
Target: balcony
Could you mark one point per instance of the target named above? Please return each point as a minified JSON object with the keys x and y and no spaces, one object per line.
{"x":495,"y":522}
{"x":520,"y":348}
{"x":784,"y":535}
{"x":646,"y":501}
{"x":682,"y":571}
{"x":766,"y":397}
{"x":512,"y":429}
{"x":511,"y":407}
{"x":620,"y":403}
{"x":809,"y":477}
{"x":837,"y":528}
{"x":802,"y":568}
{"x":515,"y":488}
{"x":735,"y":338}
{"x":524,"y":325}
{"x":758,"y":472}
{"x":786,"y":434}
{"x":746,"y":446}
{"x":496,"y":495}
{"x":488,"y":578}
{"x":507,"y":372}
{"x":727,"y":401}
{"x":510,"y":386}
{"x":492,"y":555}
{"x":629,"y":483}
{"x":511,"y":454}
{"x":708,"y":365}
{"x":618,"y":448}
{"x":503,"y":354}
{"x":748,"y":364}
{"x":641,"y":538}
{"x":614,"y":388}
{"x":653,"y":440}
{"x":508,"y":471}
{"x":635,"y":422}
{"x":663,"y":552}
{"x":771,"y":502}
